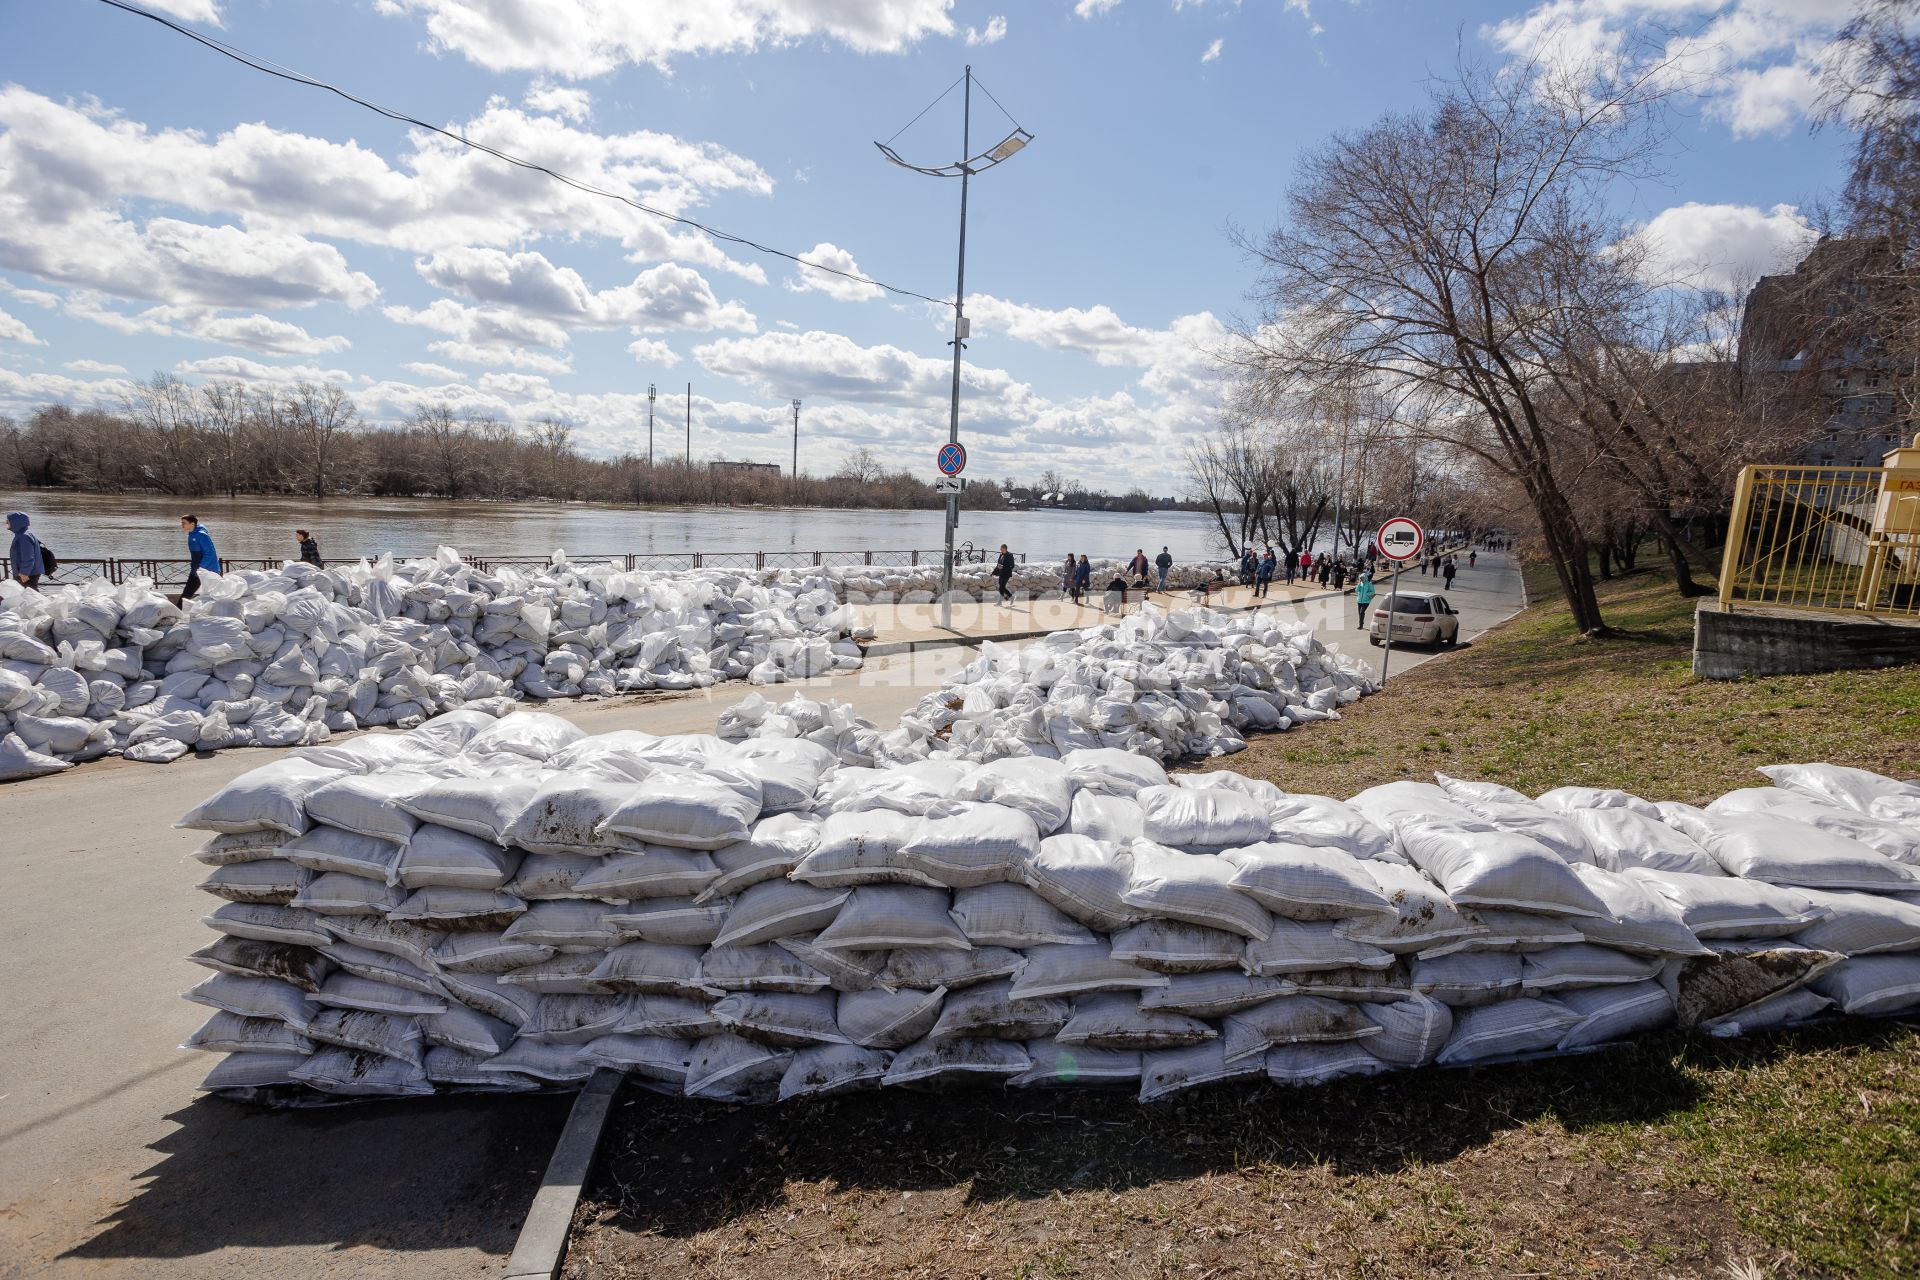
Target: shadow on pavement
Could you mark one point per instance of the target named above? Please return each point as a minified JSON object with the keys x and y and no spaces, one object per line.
{"x":404,"y":1175}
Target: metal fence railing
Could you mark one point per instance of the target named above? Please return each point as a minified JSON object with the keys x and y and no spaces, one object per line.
{"x":1805,"y":538}
{"x":168,"y":572}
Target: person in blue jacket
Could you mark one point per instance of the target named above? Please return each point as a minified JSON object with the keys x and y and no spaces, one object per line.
{"x":24,"y":556}
{"x":200,"y":554}
{"x":1082,"y":579}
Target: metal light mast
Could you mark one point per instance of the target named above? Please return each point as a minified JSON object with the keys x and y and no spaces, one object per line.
{"x":963,"y":169}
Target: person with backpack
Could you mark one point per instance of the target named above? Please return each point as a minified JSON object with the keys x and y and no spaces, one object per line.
{"x":1447,"y":571}
{"x":1003,"y":574}
{"x":27,"y":558}
{"x":309,"y":549}
{"x":200,"y":554}
{"x":1363,"y":596}
{"x":1163,"y":562}
{"x":1247,"y":566}
{"x":1138,"y":566}
{"x":1263,"y":579}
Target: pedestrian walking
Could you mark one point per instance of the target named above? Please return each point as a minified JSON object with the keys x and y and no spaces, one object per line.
{"x":1447,"y":571}
{"x":1247,"y":566}
{"x":309,"y":549}
{"x":1263,"y":576}
{"x":1138,"y":566}
{"x":24,"y":557}
{"x":1289,"y":564}
{"x":200,"y":554}
{"x":1306,"y":566}
{"x":1339,"y":575}
{"x":1363,"y":596}
{"x":1472,"y":558}
{"x":1003,"y":574}
{"x":1163,"y":562}
{"x":1082,"y":580}
{"x":1066,"y":575}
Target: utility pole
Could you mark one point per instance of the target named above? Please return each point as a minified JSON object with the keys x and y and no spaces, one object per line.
{"x":650,"y":394}
{"x":689,"y":424}
{"x":795,"y":473}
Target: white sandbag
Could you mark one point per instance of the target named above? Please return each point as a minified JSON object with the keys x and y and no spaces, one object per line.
{"x":1195,"y":888}
{"x":437,"y":855}
{"x":1206,"y":819}
{"x":355,"y":1073}
{"x":1614,"y":1013}
{"x":1071,"y":970}
{"x":656,"y":872}
{"x":1011,"y":915}
{"x":1084,"y":878}
{"x":656,"y":1060}
{"x":270,"y":798}
{"x":781,"y":1017}
{"x":653,"y":968}
{"x":925,"y":968}
{"x":1732,"y":907}
{"x":1496,"y":869}
{"x":1292,"y":1020}
{"x":1466,"y":979}
{"x":1302,"y":882}
{"x":483,"y":807}
{"x":1110,"y":819}
{"x":1899,"y":841}
{"x":1424,"y":915}
{"x":1509,"y":1029}
{"x":993,"y":1009}
{"x":1116,"y":1021}
{"x":1165,"y":1072}
{"x":775,"y":847}
{"x":1323,"y":822}
{"x":1860,"y":924}
{"x":1638,"y":919}
{"x":1307,"y":946}
{"x":1056,"y":1065}
{"x":1873,"y":986}
{"x":777,"y":909}
{"x":1784,"y":1009}
{"x":1042,"y":789}
{"x":1784,"y":852}
{"x":1108,"y":771}
{"x":1311,"y":1064}
{"x":368,"y":804}
{"x":827,"y":1071}
{"x":880,"y":916}
{"x":963,"y":845}
{"x":862,"y":847}
{"x":939,"y":1063}
{"x":260,"y":922}
{"x":1585,"y":965}
{"x":231,"y":1033}
{"x":882,"y":1019}
{"x":679,"y":921}
{"x":1412,"y":1031}
{"x":1168,"y":946}
{"x":685,"y":810}
{"x":1859,"y":789}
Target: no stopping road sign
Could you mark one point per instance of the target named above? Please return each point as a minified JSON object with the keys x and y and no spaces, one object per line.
{"x":952,"y":458}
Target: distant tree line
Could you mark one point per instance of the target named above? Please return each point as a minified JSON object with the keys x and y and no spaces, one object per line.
{"x":228,"y":438}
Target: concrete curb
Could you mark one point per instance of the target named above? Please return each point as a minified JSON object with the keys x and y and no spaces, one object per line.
{"x":542,"y":1245}
{"x":888,"y":648}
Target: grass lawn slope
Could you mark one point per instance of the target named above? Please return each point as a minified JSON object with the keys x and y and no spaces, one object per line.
{"x":1790,"y":1154}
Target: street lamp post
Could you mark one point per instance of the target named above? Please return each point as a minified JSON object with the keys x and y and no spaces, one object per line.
{"x":689,"y":424}
{"x":795,"y":473}
{"x":650,"y":394}
{"x":963,"y":169}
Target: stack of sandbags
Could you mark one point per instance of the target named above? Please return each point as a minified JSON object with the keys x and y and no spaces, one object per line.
{"x":511,"y":905}
{"x":1190,"y":682}
{"x":286,"y":657}
{"x":873,"y":584}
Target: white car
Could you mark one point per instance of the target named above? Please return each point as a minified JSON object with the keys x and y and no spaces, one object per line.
{"x":1418,"y":618}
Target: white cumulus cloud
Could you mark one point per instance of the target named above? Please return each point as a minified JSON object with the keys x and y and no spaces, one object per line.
{"x":1724,"y":246}
{"x":807,"y":280}
{"x":1213,"y":51}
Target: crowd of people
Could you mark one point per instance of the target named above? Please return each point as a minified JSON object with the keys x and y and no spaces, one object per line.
{"x":29,"y":560}
{"x":1257,"y":571}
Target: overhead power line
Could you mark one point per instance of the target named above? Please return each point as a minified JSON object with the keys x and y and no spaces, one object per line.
{"x":286,"y":73}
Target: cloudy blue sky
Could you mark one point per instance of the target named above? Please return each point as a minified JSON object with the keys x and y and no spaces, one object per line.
{"x":165,"y":209}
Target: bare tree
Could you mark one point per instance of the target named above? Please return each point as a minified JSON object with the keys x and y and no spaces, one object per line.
{"x":1413,"y":258}
{"x":862,"y":465}
{"x":225,"y":407}
{"x":319,"y":414}
{"x":169,"y":411}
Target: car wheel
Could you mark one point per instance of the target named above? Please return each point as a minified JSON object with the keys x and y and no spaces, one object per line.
{"x":1374,"y":641}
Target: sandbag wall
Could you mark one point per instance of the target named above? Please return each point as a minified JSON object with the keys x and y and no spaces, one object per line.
{"x":287,"y":657}
{"x":1167,"y":685}
{"x":876,"y":584}
{"x":508,"y":905}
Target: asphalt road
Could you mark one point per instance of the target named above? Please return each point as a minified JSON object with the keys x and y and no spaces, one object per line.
{"x":112,"y":1165}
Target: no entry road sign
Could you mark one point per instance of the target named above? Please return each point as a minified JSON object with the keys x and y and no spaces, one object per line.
{"x":952,"y":459}
{"x":1401,"y":538}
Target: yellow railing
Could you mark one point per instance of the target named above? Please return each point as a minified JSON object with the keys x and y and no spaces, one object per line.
{"x":1806,"y":538}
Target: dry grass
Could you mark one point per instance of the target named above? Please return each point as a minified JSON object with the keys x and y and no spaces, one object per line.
{"x":1781,"y":1155}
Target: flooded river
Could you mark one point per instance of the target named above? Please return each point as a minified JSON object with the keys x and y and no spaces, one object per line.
{"x":111,"y":525}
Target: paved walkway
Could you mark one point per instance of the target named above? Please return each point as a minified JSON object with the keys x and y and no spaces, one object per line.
{"x":112,"y":1165}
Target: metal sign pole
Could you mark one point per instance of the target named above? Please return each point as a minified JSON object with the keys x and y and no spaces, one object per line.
{"x":1386,"y":644}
